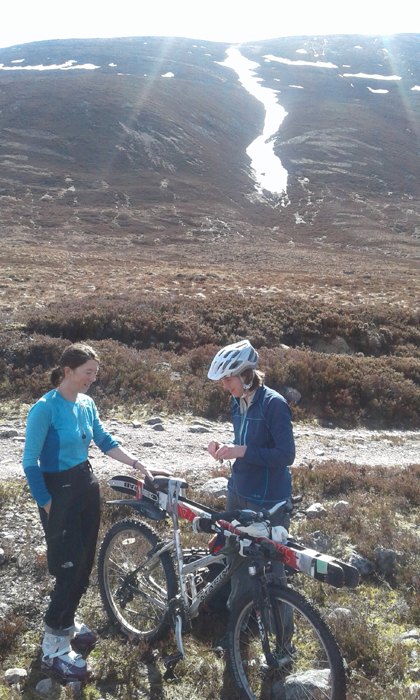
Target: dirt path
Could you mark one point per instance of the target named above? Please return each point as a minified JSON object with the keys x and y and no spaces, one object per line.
{"x":180,"y":445}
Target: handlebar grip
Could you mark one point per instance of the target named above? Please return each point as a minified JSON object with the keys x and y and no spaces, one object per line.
{"x":205,"y":525}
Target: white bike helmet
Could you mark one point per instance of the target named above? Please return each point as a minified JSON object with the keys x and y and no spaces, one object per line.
{"x":233,"y":360}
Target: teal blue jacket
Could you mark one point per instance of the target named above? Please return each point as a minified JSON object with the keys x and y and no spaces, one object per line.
{"x":54,"y":438}
{"x":263,"y":474}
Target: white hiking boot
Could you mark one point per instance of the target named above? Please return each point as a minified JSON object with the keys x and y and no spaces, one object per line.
{"x":59,"y":660}
{"x":84,"y":639}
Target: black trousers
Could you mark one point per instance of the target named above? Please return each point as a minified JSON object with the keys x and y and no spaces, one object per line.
{"x":241,"y":580}
{"x":71,"y":531}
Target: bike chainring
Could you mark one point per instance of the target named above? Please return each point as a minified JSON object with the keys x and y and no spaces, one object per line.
{"x":177,"y":607}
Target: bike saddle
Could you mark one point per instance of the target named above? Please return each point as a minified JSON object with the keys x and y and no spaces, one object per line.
{"x":161,"y":483}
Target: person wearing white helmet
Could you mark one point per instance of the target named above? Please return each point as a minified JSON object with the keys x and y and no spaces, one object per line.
{"x":263,"y":446}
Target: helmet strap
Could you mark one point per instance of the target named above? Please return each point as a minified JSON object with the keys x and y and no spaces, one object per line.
{"x":246,"y":387}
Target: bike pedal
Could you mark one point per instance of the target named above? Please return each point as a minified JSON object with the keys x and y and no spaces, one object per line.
{"x":170,"y":663}
{"x":169,"y":676}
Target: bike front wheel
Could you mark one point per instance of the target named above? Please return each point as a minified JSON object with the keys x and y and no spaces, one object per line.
{"x":136,"y":586}
{"x":305,"y":660}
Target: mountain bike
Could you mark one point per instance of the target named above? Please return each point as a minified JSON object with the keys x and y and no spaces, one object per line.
{"x":150,"y":585}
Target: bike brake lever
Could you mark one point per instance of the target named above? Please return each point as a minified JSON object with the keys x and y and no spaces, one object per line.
{"x":248,"y":517}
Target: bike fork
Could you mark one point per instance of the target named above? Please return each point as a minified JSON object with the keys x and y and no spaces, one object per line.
{"x":263,"y":621}
{"x":271,"y":661}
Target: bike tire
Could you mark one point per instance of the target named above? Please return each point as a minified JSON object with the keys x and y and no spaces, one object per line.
{"x":310,"y":664}
{"x":136,"y":603}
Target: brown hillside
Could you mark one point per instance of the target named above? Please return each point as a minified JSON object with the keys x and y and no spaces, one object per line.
{"x":117,"y":180}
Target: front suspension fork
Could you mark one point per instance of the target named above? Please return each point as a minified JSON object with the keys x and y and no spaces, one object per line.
{"x":262,"y":600}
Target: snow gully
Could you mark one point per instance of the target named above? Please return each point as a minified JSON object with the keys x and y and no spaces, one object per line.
{"x":269,"y":173}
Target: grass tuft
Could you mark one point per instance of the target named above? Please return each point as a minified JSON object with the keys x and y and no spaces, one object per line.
{"x":383,"y":511}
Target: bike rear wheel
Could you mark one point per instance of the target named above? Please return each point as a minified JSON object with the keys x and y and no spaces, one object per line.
{"x":135,"y":590}
{"x":306,"y":662}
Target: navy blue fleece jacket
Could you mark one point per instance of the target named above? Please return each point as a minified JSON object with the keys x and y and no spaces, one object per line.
{"x":263,"y":474}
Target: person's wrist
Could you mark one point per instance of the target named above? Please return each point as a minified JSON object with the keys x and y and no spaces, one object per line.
{"x":134,"y":463}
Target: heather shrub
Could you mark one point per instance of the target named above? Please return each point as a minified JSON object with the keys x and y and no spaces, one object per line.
{"x":334,"y":479}
{"x":348,"y":389}
{"x":157,"y":350}
{"x":182,"y":323}
{"x":342,"y":389}
{"x":11,"y":628}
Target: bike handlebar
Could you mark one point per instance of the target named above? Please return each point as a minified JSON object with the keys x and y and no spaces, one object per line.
{"x":247,"y":516}
{"x":244,"y":517}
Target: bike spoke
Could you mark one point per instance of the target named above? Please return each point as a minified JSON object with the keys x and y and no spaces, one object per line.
{"x":135,"y":598}
{"x":305,"y":662}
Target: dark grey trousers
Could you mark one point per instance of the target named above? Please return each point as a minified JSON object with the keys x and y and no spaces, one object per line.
{"x":241,"y":580}
{"x":71,"y":532}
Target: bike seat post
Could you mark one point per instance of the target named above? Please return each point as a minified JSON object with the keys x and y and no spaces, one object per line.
{"x":173,"y":496}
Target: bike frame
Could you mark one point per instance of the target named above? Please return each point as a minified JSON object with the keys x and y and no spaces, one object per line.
{"x":186,"y":573}
{"x":153,"y":505}
{"x":169,"y":498}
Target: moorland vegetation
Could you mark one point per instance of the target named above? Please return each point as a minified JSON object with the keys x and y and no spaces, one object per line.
{"x":157,"y":352}
{"x":373,"y":623}
{"x":158,"y":257}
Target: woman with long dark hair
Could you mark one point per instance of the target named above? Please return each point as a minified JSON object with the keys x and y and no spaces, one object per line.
{"x":60,"y":427}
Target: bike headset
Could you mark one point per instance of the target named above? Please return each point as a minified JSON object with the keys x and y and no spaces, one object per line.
{"x":232,"y":361}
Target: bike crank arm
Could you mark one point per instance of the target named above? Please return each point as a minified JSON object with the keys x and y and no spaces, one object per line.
{"x":171,"y":660}
{"x":178,"y":635}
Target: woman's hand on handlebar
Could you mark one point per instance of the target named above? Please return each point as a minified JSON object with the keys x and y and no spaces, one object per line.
{"x":161,"y":472}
